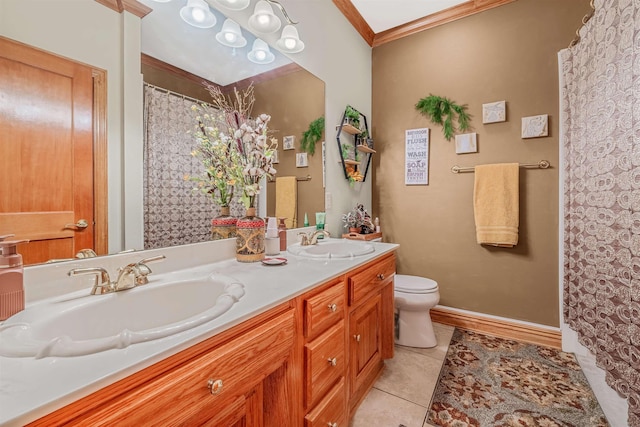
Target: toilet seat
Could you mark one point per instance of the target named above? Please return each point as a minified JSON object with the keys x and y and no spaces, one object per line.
{"x":415,"y":285}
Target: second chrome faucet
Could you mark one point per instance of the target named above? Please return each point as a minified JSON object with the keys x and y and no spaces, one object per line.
{"x":129,"y":276}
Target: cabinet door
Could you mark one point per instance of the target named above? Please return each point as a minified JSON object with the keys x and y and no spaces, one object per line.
{"x":366,"y":343}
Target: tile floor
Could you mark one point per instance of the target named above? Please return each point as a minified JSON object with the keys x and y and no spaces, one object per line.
{"x":403,"y":392}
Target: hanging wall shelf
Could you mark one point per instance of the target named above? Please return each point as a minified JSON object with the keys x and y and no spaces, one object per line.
{"x":354,"y":145}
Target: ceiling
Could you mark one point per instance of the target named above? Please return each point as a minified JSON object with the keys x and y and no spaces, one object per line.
{"x":382,"y":15}
{"x":169,"y":39}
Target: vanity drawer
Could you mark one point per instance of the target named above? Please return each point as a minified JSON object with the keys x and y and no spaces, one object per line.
{"x":371,"y":278}
{"x":325,"y":363}
{"x":324,"y":309}
{"x":183,"y":396}
{"x":331,"y":411}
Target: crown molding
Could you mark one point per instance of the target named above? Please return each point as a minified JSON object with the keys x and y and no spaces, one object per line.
{"x":353,"y":16}
{"x":448,"y":15}
{"x":132,"y":6}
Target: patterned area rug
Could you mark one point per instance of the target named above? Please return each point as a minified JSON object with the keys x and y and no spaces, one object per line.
{"x":487,"y":381}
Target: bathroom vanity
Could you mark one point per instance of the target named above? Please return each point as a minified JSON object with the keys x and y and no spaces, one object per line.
{"x":303,"y":346}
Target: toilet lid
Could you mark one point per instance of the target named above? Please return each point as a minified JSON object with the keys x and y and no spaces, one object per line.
{"x":415,"y":284}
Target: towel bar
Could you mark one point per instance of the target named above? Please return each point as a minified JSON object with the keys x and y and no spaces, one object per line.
{"x":298,"y":178}
{"x":542,"y":164}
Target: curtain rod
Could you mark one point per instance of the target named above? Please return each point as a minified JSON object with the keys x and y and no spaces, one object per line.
{"x":181,"y":95}
{"x":585,"y":19}
{"x":542,"y":164}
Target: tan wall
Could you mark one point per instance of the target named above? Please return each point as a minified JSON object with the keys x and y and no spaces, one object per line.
{"x":507,"y":53}
{"x":294,"y":101}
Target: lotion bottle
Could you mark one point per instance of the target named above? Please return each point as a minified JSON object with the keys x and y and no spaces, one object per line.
{"x":11,"y":279}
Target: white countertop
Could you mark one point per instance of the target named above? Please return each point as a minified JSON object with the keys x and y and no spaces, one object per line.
{"x":30,"y":388}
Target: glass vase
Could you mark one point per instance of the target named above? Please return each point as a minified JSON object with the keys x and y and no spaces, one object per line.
{"x":224,"y":225}
{"x":250,"y":235}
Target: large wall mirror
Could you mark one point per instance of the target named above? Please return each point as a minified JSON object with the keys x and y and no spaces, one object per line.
{"x":291,"y":95}
{"x":177,"y":57}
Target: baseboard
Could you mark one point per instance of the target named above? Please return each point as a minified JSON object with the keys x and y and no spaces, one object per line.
{"x":498,"y":327}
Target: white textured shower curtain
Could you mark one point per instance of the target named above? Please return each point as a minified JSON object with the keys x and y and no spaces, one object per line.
{"x":601,"y":108}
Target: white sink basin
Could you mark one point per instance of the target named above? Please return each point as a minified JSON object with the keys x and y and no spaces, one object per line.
{"x":332,"y":248}
{"x":94,"y":323}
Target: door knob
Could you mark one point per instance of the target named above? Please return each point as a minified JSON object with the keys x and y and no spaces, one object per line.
{"x":333,"y":308}
{"x":215,"y":386}
{"x":357,"y":337}
{"x":80,"y":225}
{"x":332,"y":361}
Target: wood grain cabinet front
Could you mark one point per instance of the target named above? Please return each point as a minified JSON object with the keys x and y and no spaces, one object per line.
{"x":331,"y":411}
{"x":325,"y":363}
{"x":324,"y":309}
{"x":223,"y":386}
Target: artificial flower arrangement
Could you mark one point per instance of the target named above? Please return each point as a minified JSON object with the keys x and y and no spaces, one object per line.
{"x":234,"y":149}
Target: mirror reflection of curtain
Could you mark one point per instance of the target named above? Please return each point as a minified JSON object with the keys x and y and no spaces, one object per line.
{"x":600,"y":86}
{"x":173,"y":213}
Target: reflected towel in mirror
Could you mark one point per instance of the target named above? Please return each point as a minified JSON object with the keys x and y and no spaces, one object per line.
{"x":287,"y":200}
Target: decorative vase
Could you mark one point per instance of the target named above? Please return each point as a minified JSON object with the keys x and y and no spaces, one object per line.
{"x":224,"y":225}
{"x":250,"y":237}
{"x":354,"y":230}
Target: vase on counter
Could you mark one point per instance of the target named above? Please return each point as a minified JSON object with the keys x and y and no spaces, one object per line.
{"x":224,"y":225}
{"x":250,"y":236}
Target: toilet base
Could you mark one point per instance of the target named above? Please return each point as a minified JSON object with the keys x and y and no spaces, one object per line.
{"x":411,"y":336}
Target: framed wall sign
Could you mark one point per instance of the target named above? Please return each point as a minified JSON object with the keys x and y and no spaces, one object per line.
{"x":416,"y":156}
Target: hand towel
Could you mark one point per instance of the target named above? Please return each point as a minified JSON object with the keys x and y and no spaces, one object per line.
{"x":287,"y":200}
{"x":495,"y":204}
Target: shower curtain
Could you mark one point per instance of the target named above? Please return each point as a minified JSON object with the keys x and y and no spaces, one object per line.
{"x":600,"y":85}
{"x":173,"y":213}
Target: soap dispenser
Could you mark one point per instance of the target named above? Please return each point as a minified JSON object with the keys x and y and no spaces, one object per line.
{"x":11,"y":279}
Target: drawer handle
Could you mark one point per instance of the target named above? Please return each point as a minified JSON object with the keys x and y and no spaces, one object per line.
{"x":381,"y":276}
{"x":357,"y":337}
{"x":332,"y":361}
{"x":330,"y":424}
{"x":215,"y":386}
{"x":333,"y":307}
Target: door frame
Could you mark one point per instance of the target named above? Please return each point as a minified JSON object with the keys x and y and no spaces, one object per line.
{"x":100,"y":175}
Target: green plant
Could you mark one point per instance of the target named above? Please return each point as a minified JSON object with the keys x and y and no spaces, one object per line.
{"x":353,"y":115}
{"x":441,"y":111}
{"x":312,"y":135}
{"x":345,"y":151}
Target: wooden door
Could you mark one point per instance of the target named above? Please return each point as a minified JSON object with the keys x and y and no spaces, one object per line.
{"x":46,"y":152}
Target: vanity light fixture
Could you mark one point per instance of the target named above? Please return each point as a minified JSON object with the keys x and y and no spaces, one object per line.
{"x":260,"y":53}
{"x":197,"y":13}
{"x":231,"y":34}
{"x":234,"y":4}
{"x":289,"y":41}
{"x":263,"y":19}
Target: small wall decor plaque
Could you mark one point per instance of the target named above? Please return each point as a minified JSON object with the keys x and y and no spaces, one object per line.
{"x":301,"y":160}
{"x":494,"y":112}
{"x":276,"y":159}
{"x":288,"y":142}
{"x":535,"y":126}
{"x":416,"y":157}
{"x":467,"y":143}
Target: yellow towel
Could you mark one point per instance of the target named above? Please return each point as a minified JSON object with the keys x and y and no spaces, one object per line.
{"x":287,"y":200}
{"x":495,"y":204}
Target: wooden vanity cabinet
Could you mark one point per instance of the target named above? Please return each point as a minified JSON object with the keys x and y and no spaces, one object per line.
{"x":236,"y":378}
{"x":308,"y":362}
{"x":371,"y":325}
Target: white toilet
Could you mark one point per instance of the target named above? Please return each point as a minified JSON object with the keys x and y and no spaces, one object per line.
{"x":414,"y":297}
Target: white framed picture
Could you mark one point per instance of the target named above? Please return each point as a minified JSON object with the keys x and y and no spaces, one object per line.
{"x":288,"y":142}
{"x":494,"y":112}
{"x":275,"y":156}
{"x":301,"y":160}
{"x":535,"y":126}
{"x":467,"y":143}
{"x":416,"y":163}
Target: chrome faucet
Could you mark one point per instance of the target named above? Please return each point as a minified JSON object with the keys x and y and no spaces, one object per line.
{"x":102,"y":284}
{"x":312,"y":239}
{"x":134,"y":274}
{"x":129,"y":276}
